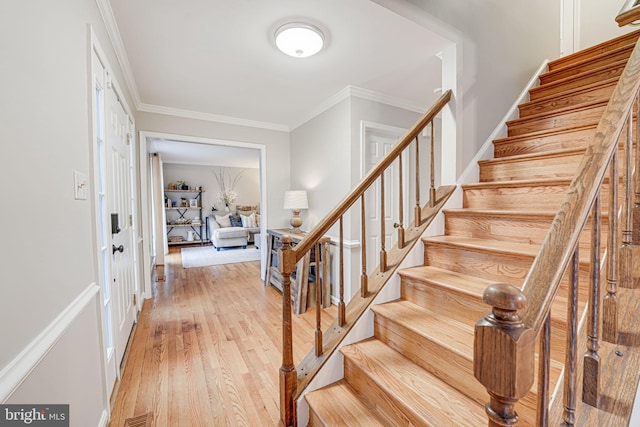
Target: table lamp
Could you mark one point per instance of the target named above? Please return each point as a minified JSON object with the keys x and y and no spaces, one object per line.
{"x":296,"y":200}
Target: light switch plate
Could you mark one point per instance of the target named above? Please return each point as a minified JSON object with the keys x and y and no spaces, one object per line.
{"x":80,"y":185}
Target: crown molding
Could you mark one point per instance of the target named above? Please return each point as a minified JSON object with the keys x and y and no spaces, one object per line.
{"x":358,"y":92}
{"x":387,"y":100}
{"x":121,"y":54}
{"x":196,"y":115}
{"x":350,"y":91}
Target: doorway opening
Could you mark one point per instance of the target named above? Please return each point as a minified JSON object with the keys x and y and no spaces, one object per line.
{"x":208,"y":156}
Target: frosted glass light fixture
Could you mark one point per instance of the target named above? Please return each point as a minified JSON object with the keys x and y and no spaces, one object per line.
{"x":296,"y":200}
{"x":299,"y":39}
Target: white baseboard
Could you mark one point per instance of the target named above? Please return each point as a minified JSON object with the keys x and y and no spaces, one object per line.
{"x":16,"y":371}
{"x":104,"y":419}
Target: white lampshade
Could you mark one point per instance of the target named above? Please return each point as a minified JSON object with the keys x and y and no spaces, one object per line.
{"x":296,"y":200}
{"x":299,"y":40}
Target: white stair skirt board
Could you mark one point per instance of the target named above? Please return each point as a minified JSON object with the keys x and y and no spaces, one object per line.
{"x":208,"y":255}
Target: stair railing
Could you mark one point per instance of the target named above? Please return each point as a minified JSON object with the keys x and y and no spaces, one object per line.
{"x":505,"y":338}
{"x":293,"y":380}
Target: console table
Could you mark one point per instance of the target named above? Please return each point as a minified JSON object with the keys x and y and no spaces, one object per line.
{"x":312,"y":270}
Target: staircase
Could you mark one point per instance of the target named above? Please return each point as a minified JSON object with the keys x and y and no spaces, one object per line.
{"x":418,"y":367}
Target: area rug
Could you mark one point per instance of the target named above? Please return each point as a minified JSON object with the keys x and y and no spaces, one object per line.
{"x":208,"y":255}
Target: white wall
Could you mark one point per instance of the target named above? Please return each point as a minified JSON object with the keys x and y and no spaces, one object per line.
{"x":320,"y":161}
{"x":325,"y":161}
{"x":597,"y":21}
{"x":44,"y":126}
{"x":500,"y":45}
{"x":276,"y":146}
{"x":247,"y":188}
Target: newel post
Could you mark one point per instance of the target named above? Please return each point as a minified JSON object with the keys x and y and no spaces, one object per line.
{"x":288,"y":374}
{"x":503,"y":356}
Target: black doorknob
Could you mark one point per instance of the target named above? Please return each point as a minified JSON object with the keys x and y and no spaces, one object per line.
{"x":117,"y":249}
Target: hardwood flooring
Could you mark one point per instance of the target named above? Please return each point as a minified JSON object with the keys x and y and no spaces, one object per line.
{"x":207,"y":349}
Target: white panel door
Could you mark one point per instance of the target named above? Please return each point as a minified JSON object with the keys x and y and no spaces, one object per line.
{"x":119,"y":203}
{"x":377,"y":143}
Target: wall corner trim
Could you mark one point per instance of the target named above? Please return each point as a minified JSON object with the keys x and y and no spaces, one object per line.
{"x":16,"y":371}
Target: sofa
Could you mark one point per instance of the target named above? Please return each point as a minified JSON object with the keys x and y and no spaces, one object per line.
{"x":233,"y":229}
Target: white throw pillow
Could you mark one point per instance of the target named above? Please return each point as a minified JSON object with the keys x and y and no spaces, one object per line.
{"x":224,"y":220}
{"x":248,"y":221}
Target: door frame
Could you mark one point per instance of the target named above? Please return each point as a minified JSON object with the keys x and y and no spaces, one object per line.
{"x":367,"y":127}
{"x":102,"y":269}
{"x":145,"y":180}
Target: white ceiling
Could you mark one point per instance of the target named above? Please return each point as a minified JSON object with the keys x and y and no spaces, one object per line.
{"x":218,"y":57}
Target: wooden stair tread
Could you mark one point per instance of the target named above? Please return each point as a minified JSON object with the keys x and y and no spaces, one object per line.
{"x":568,"y":109}
{"x":448,"y":333}
{"x":579,"y":76}
{"x":570,"y":93}
{"x":469,"y":286}
{"x":500,"y":213}
{"x":623,"y":40}
{"x":530,"y":156}
{"x":584,"y":63}
{"x":519,"y":183}
{"x":613,"y":69}
{"x":492,"y":245}
{"x":544,"y":132}
{"x":339,"y":404}
{"x":459,"y":283}
{"x":505,"y":213}
{"x":420,"y":393}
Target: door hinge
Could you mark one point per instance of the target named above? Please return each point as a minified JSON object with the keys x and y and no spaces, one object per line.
{"x":134,"y":299}
{"x":130,"y":220}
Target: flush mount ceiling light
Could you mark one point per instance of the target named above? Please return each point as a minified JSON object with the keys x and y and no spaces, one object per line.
{"x":299,"y":39}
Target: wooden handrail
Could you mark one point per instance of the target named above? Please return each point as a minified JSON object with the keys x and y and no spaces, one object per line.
{"x":332,"y":217}
{"x":629,"y":13}
{"x":348,"y":314}
{"x":542,"y":283}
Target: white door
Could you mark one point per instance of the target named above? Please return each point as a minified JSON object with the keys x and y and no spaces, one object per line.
{"x":118,"y":195}
{"x":377,"y":143}
{"x":103,"y":225}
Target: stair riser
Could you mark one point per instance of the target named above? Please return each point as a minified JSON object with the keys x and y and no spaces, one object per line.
{"x":613,"y":56}
{"x":556,"y":120}
{"x":461,"y":307}
{"x":455,"y":369}
{"x":563,"y":86}
{"x":546,"y":197}
{"x":534,"y":168}
{"x":503,"y":268}
{"x":597,"y":93}
{"x":314,"y":420}
{"x":518,"y":230}
{"x":386,"y":405}
{"x":546,"y":142}
{"x":468,"y":308}
{"x":586,"y":54}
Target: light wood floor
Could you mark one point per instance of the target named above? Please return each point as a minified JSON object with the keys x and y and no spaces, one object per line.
{"x":207,"y":349}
